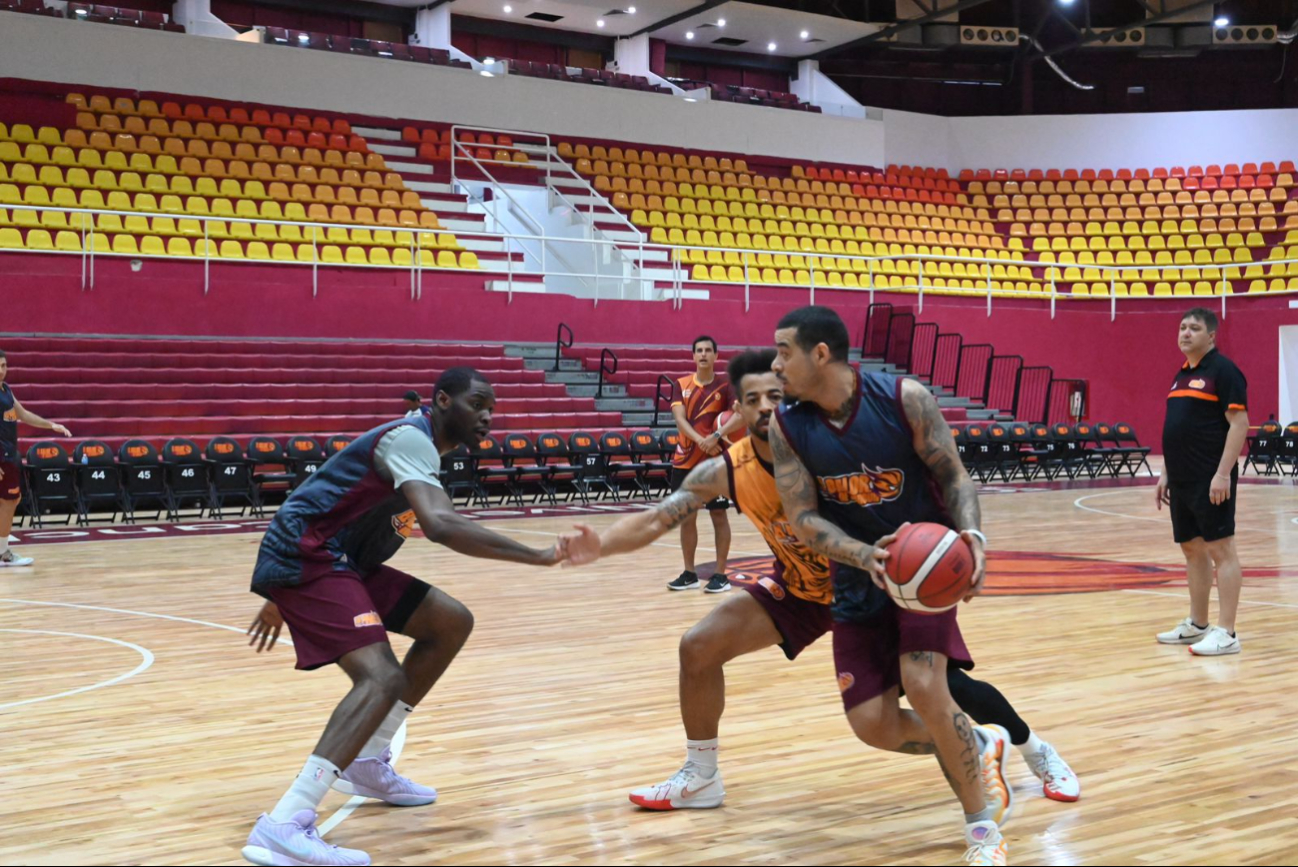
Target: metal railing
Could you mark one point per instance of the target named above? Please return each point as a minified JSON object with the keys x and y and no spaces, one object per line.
{"x":605,"y":356}
{"x":671,"y":274}
{"x":561,"y":343}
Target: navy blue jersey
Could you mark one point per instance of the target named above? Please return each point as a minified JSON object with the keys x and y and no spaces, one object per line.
{"x":345,"y":515}
{"x":869,"y":479}
{"x":8,"y":425}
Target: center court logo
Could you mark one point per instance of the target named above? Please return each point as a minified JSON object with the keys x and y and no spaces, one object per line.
{"x":866,"y":488}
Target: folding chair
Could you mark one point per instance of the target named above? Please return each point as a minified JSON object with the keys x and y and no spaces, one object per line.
{"x":230,"y":476}
{"x":50,"y":482}
{"x":143,"y":479}
{"x":99,"y":481}
{"x":186,"y":478}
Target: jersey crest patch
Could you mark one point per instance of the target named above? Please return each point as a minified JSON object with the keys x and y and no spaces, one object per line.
{"x":404,"y":524}
{"x":866,"y":488}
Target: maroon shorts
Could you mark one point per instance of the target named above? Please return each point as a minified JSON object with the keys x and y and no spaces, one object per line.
{"x":867,"y":655}
{"x":331,"y":613}
{"x":798,"y":621}
{"x":11,"y":481}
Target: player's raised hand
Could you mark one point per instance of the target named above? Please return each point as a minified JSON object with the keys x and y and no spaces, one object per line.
{"x":980,"y":563}
{"x":265,"y":627}
{"x":583,"y":546}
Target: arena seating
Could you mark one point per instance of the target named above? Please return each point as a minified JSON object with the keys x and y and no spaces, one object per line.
{"x":113,"y":390}
{"x":357,"y":45}
{"x":31,"y":7}
{"x":193,"y":160}
{"x":584,"y":75}
{"x":124,"y":16}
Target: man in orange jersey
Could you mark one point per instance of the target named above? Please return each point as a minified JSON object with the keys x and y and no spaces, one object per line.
{"x":701,"y":397}
{"x":790,"y":609}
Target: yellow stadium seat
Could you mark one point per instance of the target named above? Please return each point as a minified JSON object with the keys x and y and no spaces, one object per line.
{"x":356,"y":256}
{"x":69,"y":241}
{"x":380,"y":256}
{"x":125,"y":244}
{"x":39,"y":239}
{"x":231,"y":250}
{"x":151,"y":245}
{"x":446,"y":259}
{"x":11,"y":239}
{"x":307,"y":253}
{"x":257,"y":250}
{"x":179,"y":247}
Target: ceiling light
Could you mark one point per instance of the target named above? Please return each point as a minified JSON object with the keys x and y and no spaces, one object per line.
{"x":508,"y":8}
{"x":689,"y":34}
{"x":1222,"y":21}
{"x":630,"y":10}
{"x":1066,"y":2}
{"x":302,"y":37}
{"x":489,"y":60}
{"x":690,"y":99}
{"x":721,"y":22}
{"x":599,"y":23}
{"x":804,"y":34}
{"x":486,"y":74}
{"x":770,"y":46}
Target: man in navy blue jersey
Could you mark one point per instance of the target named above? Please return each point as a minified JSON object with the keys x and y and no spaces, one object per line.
{"x":322,"y":568}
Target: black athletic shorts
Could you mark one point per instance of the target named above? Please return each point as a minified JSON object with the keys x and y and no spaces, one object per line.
{"x":720,"y":504}
{"x":1194,"y":516}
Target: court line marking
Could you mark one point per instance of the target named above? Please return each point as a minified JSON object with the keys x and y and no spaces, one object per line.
{"x":1183,"y":596}
{"x":145,"y":661}
{"x":334,"y":820}
{"x":1078,"y":504}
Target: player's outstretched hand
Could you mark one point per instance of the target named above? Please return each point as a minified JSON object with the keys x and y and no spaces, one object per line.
{"x":878,"y":555}
{"x":583,"y":546}
{"x":265,"y":627}
{"x":60,"y":430}
{"x":980,"y":564}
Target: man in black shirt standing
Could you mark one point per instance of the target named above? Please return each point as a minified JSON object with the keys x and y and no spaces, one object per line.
{"x":1205,"y":429}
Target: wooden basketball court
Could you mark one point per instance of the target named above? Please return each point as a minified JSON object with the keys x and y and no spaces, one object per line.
{"x":565,"y":698}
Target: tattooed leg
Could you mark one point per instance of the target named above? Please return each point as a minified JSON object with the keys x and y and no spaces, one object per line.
{"x":924,"y":677}
{"x":884,"y":725}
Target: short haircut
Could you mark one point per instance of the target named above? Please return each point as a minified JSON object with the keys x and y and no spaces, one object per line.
{"x":2,"y":354}
{"x":412,"y":395}
{"x":700,"y":339}
{"x":815,"y":325}
{"x":456,"y":381}
{"x":746,"y":363}
{"x":1204,"y":315}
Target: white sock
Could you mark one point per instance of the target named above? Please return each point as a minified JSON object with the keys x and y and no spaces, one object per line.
{"x":702,"y":753}
{"x":1031,"y":745}
{"x":308,"y":790}
{"x":387,"y":730}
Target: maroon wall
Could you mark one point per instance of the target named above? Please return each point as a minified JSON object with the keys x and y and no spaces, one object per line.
{"x":1129,"y":362}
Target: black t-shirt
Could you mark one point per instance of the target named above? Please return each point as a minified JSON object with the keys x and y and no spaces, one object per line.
{"x":1194,"y":432}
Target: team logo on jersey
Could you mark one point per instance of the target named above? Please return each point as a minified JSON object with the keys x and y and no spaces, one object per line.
{"x":773,"y":588}
{"x":11,"y":415}
{"x":404,"y":524}
{"x":846,"y":680}
{"x":866,"y":488}
{"x":369,"y":618}
{"x":1197,"y":383}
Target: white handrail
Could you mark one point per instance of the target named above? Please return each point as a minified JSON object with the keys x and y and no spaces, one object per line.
{"x":677,"y":275}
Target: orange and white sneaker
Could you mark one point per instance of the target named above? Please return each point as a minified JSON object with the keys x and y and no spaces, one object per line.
{"x":690,"y":788}
{"x":996,"y":786}
{"x":1058,"y":782}
{"x":986,"y":845}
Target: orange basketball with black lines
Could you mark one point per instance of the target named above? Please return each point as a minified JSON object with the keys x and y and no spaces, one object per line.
{"x":929,"y":568}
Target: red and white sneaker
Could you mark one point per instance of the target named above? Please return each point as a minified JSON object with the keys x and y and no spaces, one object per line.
{"x":1058,"y":781}
{"x":376,"y":778}
{"x":996,"y":786}
{"x":687,"y":789}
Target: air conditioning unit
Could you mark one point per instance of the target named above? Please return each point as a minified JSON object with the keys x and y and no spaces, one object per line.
{"x":1245,"y":34}
{"x":993,"y":37}
{"x":1133,"y":38}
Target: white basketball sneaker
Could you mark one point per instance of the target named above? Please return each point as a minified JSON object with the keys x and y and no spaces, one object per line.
{"x":9,"y":558}
{"x":1217,"y":642}
{"x":376,"y":778}
{"x":986,"y":845}
{"x":687,"y":789}
{"x":1058,"y":781}
{"x":996,"y":786}
{"x":1184,"y":632}
{"x":297,"y":842}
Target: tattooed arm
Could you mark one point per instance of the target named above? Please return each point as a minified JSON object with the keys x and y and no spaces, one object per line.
{"x":798,"y":494}
{"x":706,"y":482}
{"x":936,"y":448}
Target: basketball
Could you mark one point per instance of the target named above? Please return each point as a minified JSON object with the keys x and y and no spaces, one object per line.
{"x":929,"y":568}
{"x":722,"y":420}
